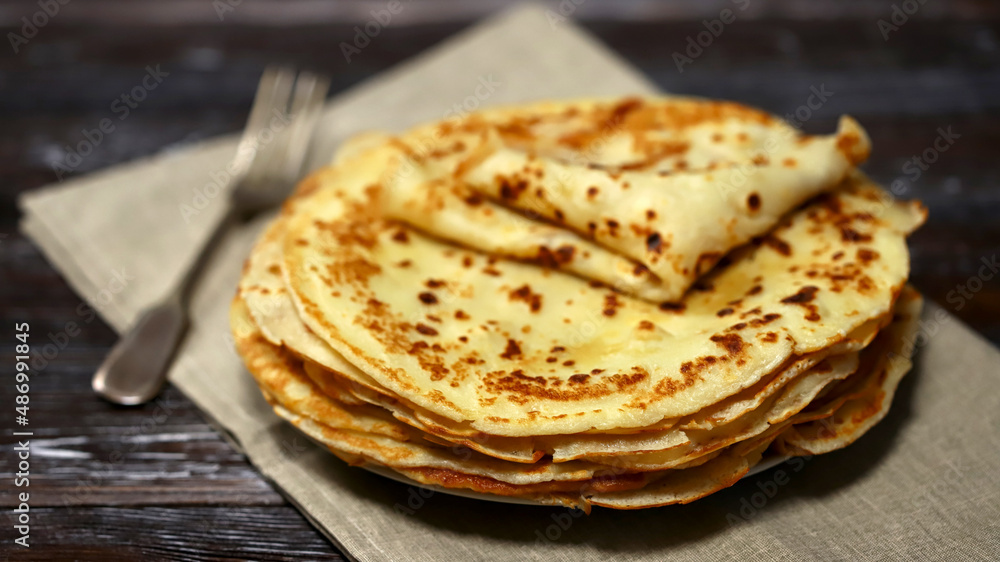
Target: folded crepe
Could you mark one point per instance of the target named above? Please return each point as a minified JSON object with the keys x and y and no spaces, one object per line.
{"x":641,"y":195}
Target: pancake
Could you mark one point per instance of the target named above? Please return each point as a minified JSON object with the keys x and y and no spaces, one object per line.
{"x":596,"y":362}
{"x":368,"y":436}
{"x":626,"y":303}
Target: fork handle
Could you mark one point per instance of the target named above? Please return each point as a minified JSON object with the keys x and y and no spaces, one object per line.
{"x":137,"y":366}
{"x":135,"y":370}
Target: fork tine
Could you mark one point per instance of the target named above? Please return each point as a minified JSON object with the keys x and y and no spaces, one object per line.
{"x":281,"y":92}
{"x":262,"y":102}
{"x":310,"y":93}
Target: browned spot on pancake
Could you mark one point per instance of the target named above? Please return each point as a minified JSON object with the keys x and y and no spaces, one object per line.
{"x":405,"y":263}
{"x":769,"y":337}
{"x":569,"y":363}
{"x":274,"y":270}
{"x":510,"y":190}
{"x":524,"y":294}
{"x":562,"y":255}
{"x":764,"y":320}
{"x":654,"y":243}
{"x":611,"y":305}
{"x":434,"y":283}
{"x":461,"y":315}
{"x":804,"y":295}
{"x":650,"y":214}
{"x":557,"y":349}
{"x":356,"y":270}
{"x":702,"y":286}
{"x":612,"y":227}
{"x":490,"y":270}
{"x":760,"y":160}
{"x":789,"y":162}
{"x":427,"y":297}
{"x":579,"y":378}
{"x":463,"y":339}
{"x":474,"y":199}
{"x":691,"y":371}
{"x":777,"y":244}
{"x":737,"y":327}
{"x":753,"y":201}
{"x":426,"y":330}
{"x":401,"y":236}
{"x":521,"y":389}
{"x":732,"y":343}
{"x":592,"y":192}
{"x":639,"y":270}
{"x":646,"y":325}
{"x":836,"y":256}
{"x":622,"y":110}
{"x":724,"y":312}
{"x":716,"y":137}
{"x":846,"y":145}
{"x":848,"y":234}
{"x":865,"y":255}
{"x":804,"y":298}
{"x":513,"y":350}
{"x":755,"y":290}
{"x":672,"y":306}
{"x":865,"y":284}
{"x":427,"y":359}
{"x":551,"y":359}
{"x":559,"y":216}
{"x":467,"y":261}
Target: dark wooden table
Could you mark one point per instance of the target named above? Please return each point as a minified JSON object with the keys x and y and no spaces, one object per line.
{"x":156,"y":481}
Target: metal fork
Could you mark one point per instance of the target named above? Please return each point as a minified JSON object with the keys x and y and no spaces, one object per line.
{"x":263,"y":172}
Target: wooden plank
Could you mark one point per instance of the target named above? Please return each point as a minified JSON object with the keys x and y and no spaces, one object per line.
{"x":288,"y":13}
{"x":157,"y":533}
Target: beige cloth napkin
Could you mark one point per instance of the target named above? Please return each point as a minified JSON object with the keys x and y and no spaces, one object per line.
{"x":922,"y":484}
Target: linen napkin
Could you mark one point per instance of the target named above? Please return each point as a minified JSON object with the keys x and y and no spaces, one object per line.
{"x":922,"y":484}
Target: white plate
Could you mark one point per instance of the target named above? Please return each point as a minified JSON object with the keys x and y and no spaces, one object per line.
{"x":763,"y":465}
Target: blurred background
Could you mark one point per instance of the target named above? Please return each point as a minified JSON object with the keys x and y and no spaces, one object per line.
{"x":922,"y":76}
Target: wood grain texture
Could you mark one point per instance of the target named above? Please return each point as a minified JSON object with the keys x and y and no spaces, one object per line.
{"x":178,"y":533}
{"x":157,"y":482}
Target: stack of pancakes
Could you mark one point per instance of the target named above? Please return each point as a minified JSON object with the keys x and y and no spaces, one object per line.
{"x":625,"y":303}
